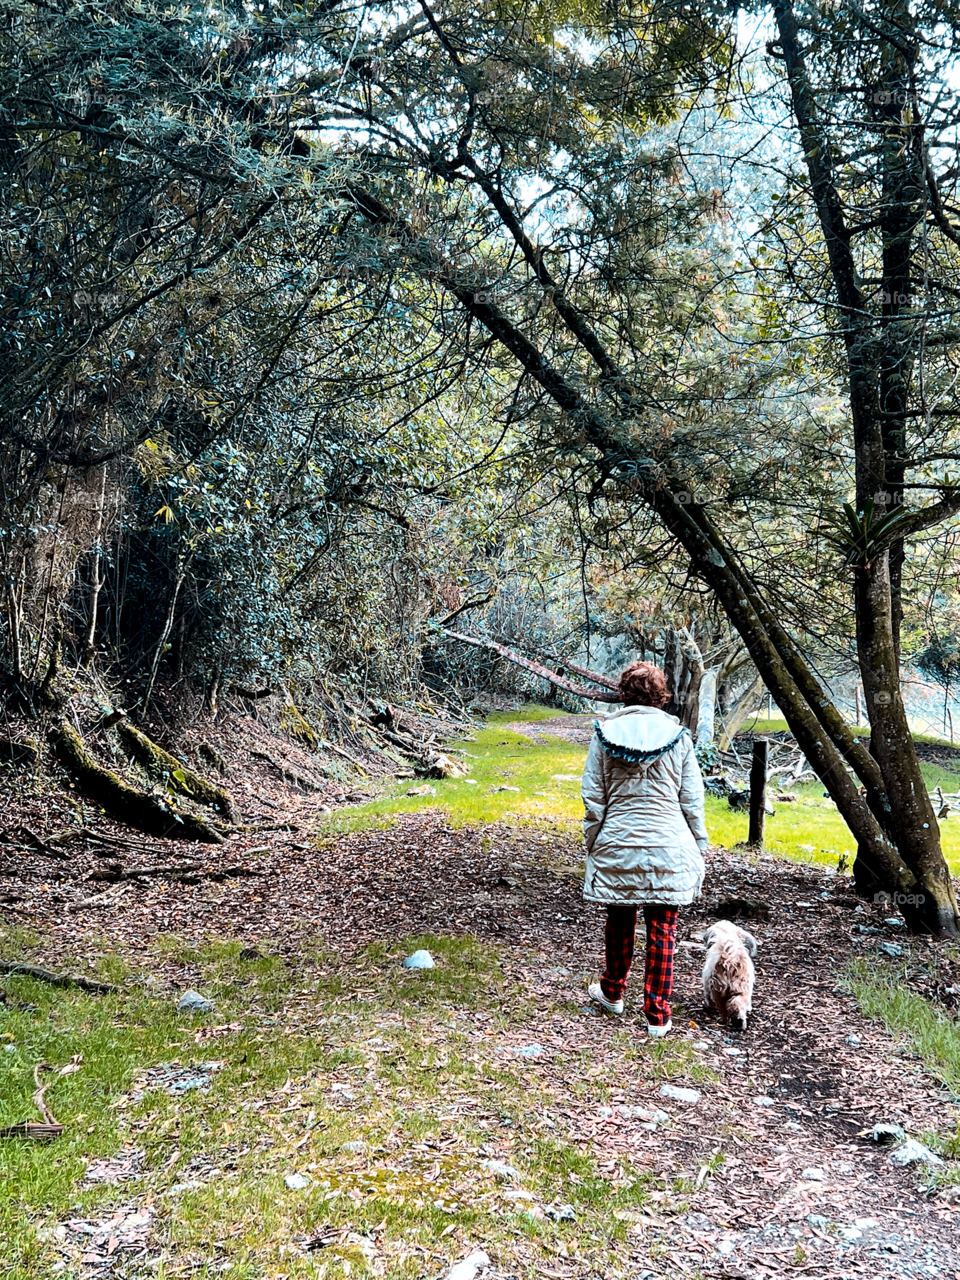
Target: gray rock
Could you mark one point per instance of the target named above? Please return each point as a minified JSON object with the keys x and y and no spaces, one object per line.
{"x":913,"y":1152}
{"x":679,"y":1094}
{"x":194,"y":1002}
{"x":888,"y":1134}
{"x":419,"y":960}
{"x":296,"y":1181}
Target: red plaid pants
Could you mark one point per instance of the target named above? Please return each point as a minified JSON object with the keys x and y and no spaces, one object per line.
{"x":619,"y":939}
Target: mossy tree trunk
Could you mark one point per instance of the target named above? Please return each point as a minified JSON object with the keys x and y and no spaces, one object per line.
{"x":145,"y":812}
{"x":168,"y":769}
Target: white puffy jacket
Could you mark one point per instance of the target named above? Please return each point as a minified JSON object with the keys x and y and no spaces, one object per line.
{"x":643,"y":796}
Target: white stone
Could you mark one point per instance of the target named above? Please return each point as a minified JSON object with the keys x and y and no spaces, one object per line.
{"x":680,"y":1094}
{"x":468,"y":1268}
{"x":914,"y":1152}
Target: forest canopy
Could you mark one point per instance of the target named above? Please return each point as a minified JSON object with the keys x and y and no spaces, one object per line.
{"x":322,"y":323}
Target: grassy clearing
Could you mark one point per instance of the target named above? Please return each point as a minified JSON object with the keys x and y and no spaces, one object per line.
{"x":547,"y":775}
{"x":544,"y":781}
{"x":384,"y":1089}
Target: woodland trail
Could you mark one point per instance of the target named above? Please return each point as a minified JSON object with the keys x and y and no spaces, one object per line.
{"x":764,"y":1174}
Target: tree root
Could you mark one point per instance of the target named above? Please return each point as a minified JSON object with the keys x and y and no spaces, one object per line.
{"x":58,"y":979}
{"x":137,"y":808}
{"x":166,"y":768}
{"x":20,"y":754}
{"x":50,"y":1127}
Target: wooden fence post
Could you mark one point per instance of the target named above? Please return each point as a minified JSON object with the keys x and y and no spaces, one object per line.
{"x":758,"y":791}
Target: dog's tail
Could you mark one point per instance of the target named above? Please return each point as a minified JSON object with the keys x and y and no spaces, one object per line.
{"x":737,"y":1010}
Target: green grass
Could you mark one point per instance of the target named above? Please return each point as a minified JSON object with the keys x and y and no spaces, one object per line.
{"x":777,"y":724}
{"x":882,"y":993}
{"x":497,"y":757}
{"x":313,"y":1062}
{"x":807,"y":830}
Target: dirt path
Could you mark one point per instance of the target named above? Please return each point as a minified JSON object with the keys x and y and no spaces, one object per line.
{"x":777,"y":1175}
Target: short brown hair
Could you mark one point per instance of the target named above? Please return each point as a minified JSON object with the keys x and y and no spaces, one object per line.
{"x":643,"y":685}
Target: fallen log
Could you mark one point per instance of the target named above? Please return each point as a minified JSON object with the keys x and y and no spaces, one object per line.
{"x":346,"y":755}
{"x":168,"y":769}
{"x":561,"y":682}
{"x":98,"y":899}
{"x":594,"y":676}
{"x":189,"y":873}
{"x":138,"y":809}
{"x":58,"y":979}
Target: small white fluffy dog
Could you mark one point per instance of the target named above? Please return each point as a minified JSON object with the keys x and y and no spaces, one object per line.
{"x":728,"y":973}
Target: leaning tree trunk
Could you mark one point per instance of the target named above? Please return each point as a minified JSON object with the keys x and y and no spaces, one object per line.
{"x":834,"y":753}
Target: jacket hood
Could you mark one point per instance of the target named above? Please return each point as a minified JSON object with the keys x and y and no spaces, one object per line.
{"x":639,"y":734}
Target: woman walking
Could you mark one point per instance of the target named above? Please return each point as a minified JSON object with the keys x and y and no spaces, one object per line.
{"x":645,"y":836}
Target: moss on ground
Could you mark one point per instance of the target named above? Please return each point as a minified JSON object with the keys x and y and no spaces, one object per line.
{"x":511,"y":777}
